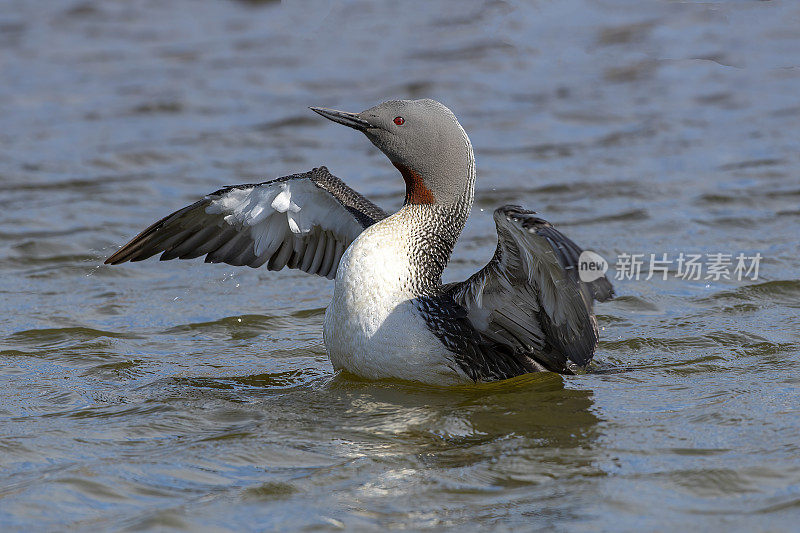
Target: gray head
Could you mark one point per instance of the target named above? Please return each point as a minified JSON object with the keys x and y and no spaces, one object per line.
{"x":424,"y":140}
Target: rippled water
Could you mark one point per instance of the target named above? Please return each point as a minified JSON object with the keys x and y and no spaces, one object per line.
{"x":192,"y":396}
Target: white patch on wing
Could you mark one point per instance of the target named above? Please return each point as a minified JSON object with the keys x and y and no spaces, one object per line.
{"x":293,"y":209}
{"x":293,"y":227}
{"x":283,"y":202}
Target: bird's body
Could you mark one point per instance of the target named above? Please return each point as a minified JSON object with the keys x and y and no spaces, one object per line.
{"x":391,"y":316}
{"x":372,"y":327}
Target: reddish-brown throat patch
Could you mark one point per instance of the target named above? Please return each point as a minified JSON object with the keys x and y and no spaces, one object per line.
{"x":416,"y":191}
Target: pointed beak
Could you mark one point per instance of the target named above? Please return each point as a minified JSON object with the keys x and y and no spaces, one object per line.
{"x":343,"y":117}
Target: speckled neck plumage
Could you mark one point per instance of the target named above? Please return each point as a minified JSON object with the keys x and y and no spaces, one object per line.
{"x":437,"y":226}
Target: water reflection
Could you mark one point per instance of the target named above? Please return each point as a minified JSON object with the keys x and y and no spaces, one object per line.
{"x":535,"y":406}
{"x":521,"y":430}
{"x":467,"y":446}
{"x":516,"y":431}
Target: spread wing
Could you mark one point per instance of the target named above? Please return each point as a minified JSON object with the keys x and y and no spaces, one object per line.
{"x":304,"y":221}
{"x":529,"y":297}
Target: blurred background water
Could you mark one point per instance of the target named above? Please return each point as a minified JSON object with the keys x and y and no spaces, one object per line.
{"x":181,"y":395}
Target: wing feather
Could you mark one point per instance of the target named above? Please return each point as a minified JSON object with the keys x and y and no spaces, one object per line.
{"x":319,"y":252}
{"x":330,"y":249}
{"x":310,"y":251}
{"x":529,"y":297}
{"x":303,"y":221}
{"x":281,"y":257}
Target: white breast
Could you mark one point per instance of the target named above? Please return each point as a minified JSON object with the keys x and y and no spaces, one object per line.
{"x":371,"y":327}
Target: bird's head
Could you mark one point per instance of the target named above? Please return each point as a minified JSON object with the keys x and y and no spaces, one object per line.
{"x":424,"y":140}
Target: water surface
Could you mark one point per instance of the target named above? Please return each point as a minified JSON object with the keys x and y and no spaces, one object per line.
{"x":180,"y":395}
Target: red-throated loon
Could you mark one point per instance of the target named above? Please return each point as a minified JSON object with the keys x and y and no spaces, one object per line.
{"x":527,"y":310}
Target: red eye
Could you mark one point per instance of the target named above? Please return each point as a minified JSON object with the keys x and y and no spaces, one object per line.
{"x":399,"y":120}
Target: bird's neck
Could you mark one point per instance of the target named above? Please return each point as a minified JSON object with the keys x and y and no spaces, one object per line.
{"x":437,"y":215}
